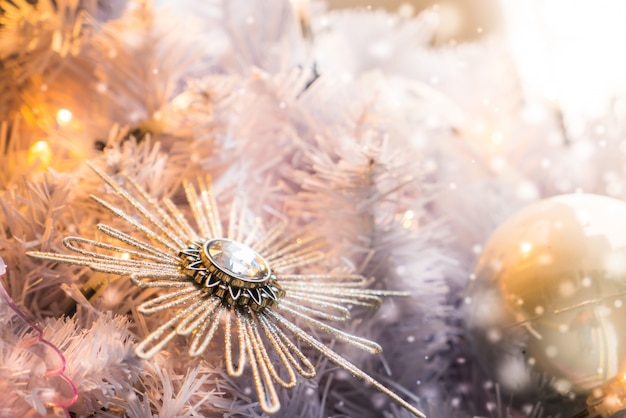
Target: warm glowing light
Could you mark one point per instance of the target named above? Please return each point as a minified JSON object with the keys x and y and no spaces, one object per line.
{"x":567,"y":51}
{"x":39,"y":154}
{"x":525,"y":247}
{"x":497,"y":137}
{"x":125,"y":256}
{"x":64,"y":116}
{"x":407,"y":219}
{"x":450,"y":18}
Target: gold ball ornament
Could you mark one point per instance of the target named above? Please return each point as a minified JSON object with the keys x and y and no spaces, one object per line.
{"x":548,"y":297}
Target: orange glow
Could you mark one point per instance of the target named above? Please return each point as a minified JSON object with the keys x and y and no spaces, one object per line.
{"x":39,"y":153}
{"x":64,"y":116}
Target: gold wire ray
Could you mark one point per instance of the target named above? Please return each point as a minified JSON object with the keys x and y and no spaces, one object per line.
{"x":342,"y":362}
{"x":343,"y":312}
{"x":300,"y":262}
{"x":237,"y":219}
{"x":371,"y":294}
{"x":147,"y":215}
{"x":261,"y":355}
{"x":78,"y":260}
{"x":315,"y":298}
{"x":260,"y":374}
{"x":293,"y":244}
{"x":228,"y":347}
{"x":136,"y":265}
{"x":68,"y":242}
{"x":259,"y":348}
{"x":197,"y":210}
{"x":180,"y":220}
{"x":207,"y":197}
{"x":102,"y":264}
{"x":169,"y":300}
{"x":192,"y":321}
{"x":364,"y":294}
{"x":232,"y":223}
{"x":280,"y":242}
{"x":252,"y":233}
{"x":270,"y":237}
{"x":362,"y":343}
{"x":200,"y":341}
{"x":337,"y":293}
{"x":301,"y":253}
{"x":322,"y":289}
{"x":242,"y":219}
{"x":138,"y":226}
{"x":375,"y":292}
{"x":348,"y":280}
{"x":283,"y":344}
{"x":170,"y":226}
{"x":146,"y":280}
{"x":191,"y":311}
{"x":155,"y":341}
{"x":128,"y":270}
{"x":140,"y":245}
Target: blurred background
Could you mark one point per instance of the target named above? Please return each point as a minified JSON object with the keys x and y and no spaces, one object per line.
{"x":460,"y":20}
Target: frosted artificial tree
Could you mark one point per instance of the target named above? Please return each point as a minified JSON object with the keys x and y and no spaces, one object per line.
{"x":396,"y":157}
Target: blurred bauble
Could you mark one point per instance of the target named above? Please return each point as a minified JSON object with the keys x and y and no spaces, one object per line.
{"x":548,"y":296}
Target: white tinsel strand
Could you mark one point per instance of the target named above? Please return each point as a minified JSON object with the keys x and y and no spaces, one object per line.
{"x":253,"y":126}
{"x":390,"y":44}
{"x":99,"y":359}
{"x":243,"y":31}
{"x":31,"y":212}
{"x":14,"y":143}
{"x":171,"y":394}
{"x":140,"y":61}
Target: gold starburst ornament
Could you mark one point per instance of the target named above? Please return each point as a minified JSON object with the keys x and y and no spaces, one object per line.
{"x":246,"y":280}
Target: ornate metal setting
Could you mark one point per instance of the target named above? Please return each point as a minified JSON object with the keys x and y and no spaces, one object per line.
{"x":255,"y":287}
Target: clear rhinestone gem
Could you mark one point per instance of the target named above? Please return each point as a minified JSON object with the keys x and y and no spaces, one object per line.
{"x":237,"y":259}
